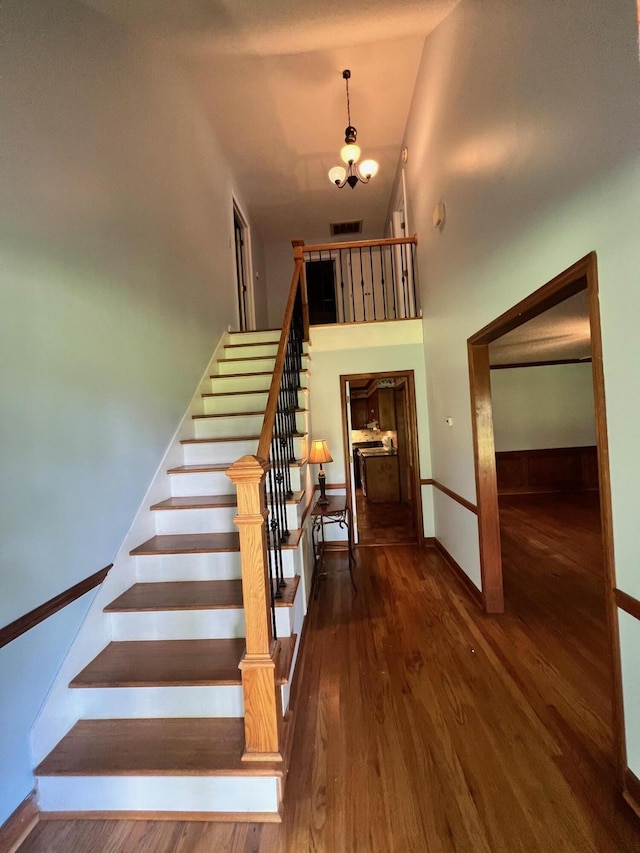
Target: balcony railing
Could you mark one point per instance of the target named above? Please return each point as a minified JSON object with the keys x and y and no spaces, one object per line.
{"x":361,"y":281}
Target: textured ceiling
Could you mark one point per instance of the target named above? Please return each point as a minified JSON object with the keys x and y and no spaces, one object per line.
{"x":561,"y":332}
{"x":270,"y":75}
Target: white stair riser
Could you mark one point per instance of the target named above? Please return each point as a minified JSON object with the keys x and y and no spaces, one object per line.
{"x":221,"y":451}
{"x":252,"y":364}
{"x":211,"y":454}
{"x":218,"y":520}
{"x":228,"y":426}
{"x":221,"y":384}
{"x":251,"y":350}
{"x":236,"y":403}
{"x":216,"y":482}
{"x":226,"y":384}
{"x":159,"y":793}
{"x":204,"y":483}
{"x":249,"y":425}
{"x":254,"y":337}
{"x":259,"y":365}
{"x":107,"y":703}
{"x":189,"y":624}
{"x":202,"y":567}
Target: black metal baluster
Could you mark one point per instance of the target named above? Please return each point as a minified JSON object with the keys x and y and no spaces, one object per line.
{"x":384,"y":289}
{"x":373,"y":284}
{"x":344,"y":313}
{"x":274,"y":535}
{"x":351,"y":287}
{"x":273,"y":585}
{"x":364,"y":309}
{"x":405,"y":283}
{"x":392,"y":261}
{"x":413,"y":280}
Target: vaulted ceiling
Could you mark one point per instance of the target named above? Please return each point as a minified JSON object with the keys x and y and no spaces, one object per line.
{"x":270,"y":74}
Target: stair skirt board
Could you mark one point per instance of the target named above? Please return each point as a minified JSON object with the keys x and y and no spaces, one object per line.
{"x":145,"y":793}
{"x":112,"y":762}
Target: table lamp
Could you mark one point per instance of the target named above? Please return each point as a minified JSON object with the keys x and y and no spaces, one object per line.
{"x":318,"y":454}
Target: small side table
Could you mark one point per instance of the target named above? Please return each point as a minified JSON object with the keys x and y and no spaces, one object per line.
{"x":337,"y":511}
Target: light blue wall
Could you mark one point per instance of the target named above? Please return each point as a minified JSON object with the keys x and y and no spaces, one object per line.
{"x":27,"y":667}
{"x":116,"y":284}
{"x":526,"y":123}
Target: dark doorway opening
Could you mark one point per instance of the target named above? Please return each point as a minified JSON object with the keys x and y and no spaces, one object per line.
{"x":321,"y":292}
{"x":239,"y":228}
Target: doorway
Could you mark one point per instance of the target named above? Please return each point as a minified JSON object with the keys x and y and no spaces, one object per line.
{"x":243,"y":269}
{"x":381,"y":457}
{"x":321,"y":291}
{"x":581,"y":278}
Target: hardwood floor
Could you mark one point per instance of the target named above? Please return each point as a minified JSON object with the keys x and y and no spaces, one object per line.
{"x":384,"y":523}
{"x":425,"y":726}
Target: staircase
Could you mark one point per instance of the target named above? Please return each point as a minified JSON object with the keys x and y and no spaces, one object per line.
{"x":161,"y":726}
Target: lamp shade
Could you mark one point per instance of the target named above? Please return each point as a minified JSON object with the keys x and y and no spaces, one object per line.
{"x":337,"y":174}
{"x":350,"y":153}
{"x":319,"y":453}
{"x":368,"y":168}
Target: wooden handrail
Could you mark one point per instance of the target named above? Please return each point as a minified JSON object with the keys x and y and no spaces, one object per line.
{"x":357,"y":244}
{"x":266,"y":434}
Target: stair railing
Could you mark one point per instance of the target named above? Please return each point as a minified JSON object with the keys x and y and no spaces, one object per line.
{"x":263,"y":484}
{"x":372,"y":280}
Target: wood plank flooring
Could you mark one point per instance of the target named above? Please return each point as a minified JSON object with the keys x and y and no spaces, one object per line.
{"x":384,"y":523}
{"x":425,"y":726}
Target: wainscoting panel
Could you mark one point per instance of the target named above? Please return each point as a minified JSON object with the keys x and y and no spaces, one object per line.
{"x":556,"y":469}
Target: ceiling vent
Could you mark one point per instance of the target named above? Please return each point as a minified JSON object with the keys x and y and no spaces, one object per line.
{"x":340,"y":228}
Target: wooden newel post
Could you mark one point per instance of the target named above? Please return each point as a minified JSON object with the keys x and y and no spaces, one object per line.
{"x":261,"y":693}
{"x":298,"y":257}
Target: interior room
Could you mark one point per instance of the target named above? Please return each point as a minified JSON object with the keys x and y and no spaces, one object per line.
{"x":551,"y":534}
{"x":221,"y":220}
{"x":382,"y":468}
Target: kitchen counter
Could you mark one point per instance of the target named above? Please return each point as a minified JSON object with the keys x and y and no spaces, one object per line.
{"x":380,"y":475}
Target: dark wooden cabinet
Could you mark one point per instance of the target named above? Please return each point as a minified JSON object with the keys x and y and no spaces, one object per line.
{"x":386,"y":409}
{"x":359,"y":413}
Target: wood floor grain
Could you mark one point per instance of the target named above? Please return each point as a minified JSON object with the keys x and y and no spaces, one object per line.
{"x":426,"y":727}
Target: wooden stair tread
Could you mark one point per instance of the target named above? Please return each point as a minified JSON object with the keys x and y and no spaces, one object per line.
{"x":255,"y":373}
{"x":197,"y":502}
{"x":164,"y":663}
{"x":154,"y":747}
{"x":237,"y":414}
{"x":218,"y":439}
{"x":200,"y":543}
{"x":273,"y":343}
{"x":231,"y":438}
{"x":203,"y":468}
{"x":230,"y":415}
{"x":190,"y":595}
{"x":188,"y":543}
{"x":246,"y":358}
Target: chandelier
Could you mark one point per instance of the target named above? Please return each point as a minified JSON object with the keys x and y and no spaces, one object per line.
{"x":350,"y":154}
